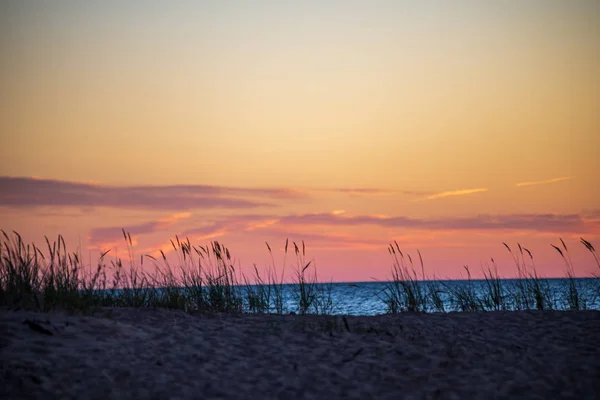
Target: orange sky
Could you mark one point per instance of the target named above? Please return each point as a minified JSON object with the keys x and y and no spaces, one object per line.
{"x":450,"y":128}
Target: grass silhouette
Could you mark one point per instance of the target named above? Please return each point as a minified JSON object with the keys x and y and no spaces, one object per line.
{"x":205,"y":279}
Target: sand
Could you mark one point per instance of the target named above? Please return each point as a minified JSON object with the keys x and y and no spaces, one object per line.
{"x":161,"y":354}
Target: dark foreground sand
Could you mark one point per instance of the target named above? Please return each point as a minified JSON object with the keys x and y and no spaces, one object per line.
{"x":159,"y":354}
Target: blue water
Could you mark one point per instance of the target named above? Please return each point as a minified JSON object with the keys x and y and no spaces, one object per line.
{"x":369,"y":298}
{"x":366,"y":298}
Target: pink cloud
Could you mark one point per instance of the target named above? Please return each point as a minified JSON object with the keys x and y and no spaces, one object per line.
{"x":293,"y":226}
{"x":550,"y":223}
{"x":529,"y":222}
{"x":363,"y":192}
{"x":19,"y":192}
{"x":324,"y":240}
{"x":107,"y":237}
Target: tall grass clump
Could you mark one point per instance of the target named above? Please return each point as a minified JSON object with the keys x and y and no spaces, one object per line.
{"x":20,"y":275}
{"x":464,"y":297}
{"x":206,"y":280}
{"x":224,"y":293}
{"x":493,"y":297}
{"x":306,"y":291}
{"x":576,"y":298}
{"x":275,"y":283}
{"x":595,"y":273}
{"x":435,"y":293}
{"x":529,"y":291}
{"x":404,"y":292}
{"x":168,"y":286}
{"x":61,"y":280}
{"x":131,"y":286}
{"x":30,"y":279}
{"x":310,"y":296}
{"x":258,"y":294}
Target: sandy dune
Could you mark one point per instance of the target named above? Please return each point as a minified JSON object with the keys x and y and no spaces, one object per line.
{"x":137,"y":353}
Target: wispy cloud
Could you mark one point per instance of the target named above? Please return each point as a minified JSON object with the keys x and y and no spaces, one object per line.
{"x":462,"y":192}
{"x":529,"y":222}
{"x":363,"y":191}
{"x":531,"y":183}
{"x":302,"y":227}
{"x":561,"y":223}
{"x":23,"y":192}
{"x":20,"y":192}
{"x":107,"y":236}
{"x":324,"y":240}
{"x":592,"y":214}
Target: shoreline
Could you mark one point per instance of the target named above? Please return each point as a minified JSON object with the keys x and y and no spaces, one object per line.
{"x":158,"y":353}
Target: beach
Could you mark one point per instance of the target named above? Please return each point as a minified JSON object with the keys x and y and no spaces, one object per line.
{"x":118,"y":353}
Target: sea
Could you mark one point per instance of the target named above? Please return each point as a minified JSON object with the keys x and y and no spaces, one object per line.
{"x":369,"y":298}
{"x":373,"y":298}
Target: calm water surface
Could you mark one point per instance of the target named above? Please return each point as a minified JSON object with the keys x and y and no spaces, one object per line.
{"x":368,"y":298}
{"x":365,"y":298}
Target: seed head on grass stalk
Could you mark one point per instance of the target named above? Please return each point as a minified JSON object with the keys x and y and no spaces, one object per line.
{"x":403,"y":292}
{"x":592,"y":250}
{"x":493,"y":293}
{"x":258,"y":294}
{"x":542,"y":294}
{"x":576,"y":300}
{"x":275,"y":282}
{"x":595,"y":274}
{"x":521,"y":296}
{"x":465,"y":299}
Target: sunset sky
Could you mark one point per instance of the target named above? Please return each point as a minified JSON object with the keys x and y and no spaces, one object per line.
{"x":450,"y":127}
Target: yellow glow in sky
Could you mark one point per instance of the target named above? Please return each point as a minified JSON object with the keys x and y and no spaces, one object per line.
{"x":482,"y":108}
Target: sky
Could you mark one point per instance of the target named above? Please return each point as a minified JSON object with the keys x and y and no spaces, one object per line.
{"x":450,"y":127}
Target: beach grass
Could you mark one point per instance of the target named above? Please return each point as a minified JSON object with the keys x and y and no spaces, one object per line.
{"x":404,"y":292}
{"x":206,"y":279}
{"x":464,"y":297}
